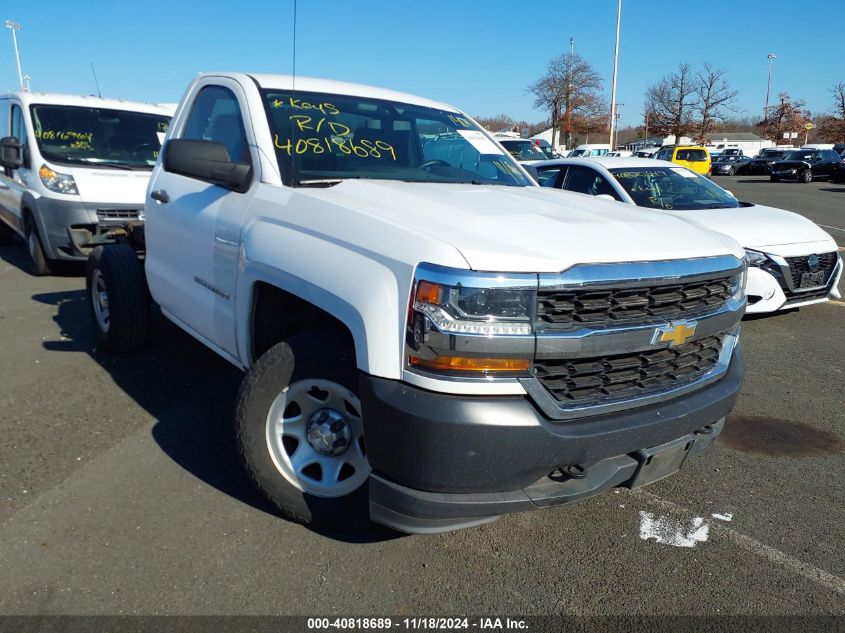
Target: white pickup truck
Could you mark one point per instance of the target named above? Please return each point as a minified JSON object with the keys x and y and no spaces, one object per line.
{"x":430,"y":339}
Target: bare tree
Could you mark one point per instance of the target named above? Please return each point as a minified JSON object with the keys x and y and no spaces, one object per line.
{"x":571,"y":90}
{"x":670,"y":102}
{"x":496,"y":123}
{"x":786,"y":116}
{"x":832,"y":128}
{"x":716,"y":100}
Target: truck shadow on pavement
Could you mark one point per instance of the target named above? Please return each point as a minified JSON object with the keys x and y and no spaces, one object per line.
{"x":187,"y":388}
{"x":833,"y":189}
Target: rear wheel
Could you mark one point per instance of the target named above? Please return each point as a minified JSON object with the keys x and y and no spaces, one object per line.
{"x":39,"y":264}
{"x":300,"y":432}
{"x":118,"y":297}
{"x":807,"y":176}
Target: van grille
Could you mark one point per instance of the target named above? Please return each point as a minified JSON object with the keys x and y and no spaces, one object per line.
{"x":118,"y":214}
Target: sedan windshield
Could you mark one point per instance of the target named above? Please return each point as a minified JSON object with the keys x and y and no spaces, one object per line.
{"x":675,"y":188}
{"x":321,"y":139}
{"x":805,"y":156}
{"x":98,"y":136}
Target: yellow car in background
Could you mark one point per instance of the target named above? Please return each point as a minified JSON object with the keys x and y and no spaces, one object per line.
{"x":694,"y":157}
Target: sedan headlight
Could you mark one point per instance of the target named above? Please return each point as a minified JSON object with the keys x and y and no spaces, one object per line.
{"x":55,"y":181}
{"x":471,"y":324}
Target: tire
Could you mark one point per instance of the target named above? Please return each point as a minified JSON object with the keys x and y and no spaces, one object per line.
{"x":6,"y":234}
{"x":39,"y":265}
{"x":806,"y":176}
{"x":118,"y":298}
{"x":774,"y":178}
{"x":731,"y":172}
{"x":272,"y":418}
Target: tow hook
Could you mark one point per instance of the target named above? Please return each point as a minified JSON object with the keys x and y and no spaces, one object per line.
{"x":574,"y":471}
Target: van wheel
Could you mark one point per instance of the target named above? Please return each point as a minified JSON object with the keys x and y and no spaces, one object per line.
{"x":300,"y":432}
{"x":807,"y":176}
{"x":6,"y":234}
{"x":39,"y":264}
{"x":118,"y":297}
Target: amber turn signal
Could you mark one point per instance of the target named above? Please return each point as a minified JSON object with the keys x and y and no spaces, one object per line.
{"x":472,"y":365}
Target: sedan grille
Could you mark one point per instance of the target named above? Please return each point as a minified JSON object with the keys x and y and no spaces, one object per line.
{"x":599,"y":380}
{"x":563,"y":309}
{"x":800,"y":265}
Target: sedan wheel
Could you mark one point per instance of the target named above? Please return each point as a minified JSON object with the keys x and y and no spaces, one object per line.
{"x":807,"y":176}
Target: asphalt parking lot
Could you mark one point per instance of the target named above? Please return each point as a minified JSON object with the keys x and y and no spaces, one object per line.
{"x":120,"y":494}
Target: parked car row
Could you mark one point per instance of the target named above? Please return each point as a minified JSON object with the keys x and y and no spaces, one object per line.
{"x":430,"y":339}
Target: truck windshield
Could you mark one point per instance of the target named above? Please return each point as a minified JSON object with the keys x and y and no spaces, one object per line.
{"x":320,"y":138}
{"x":98,"y":136}
{"x":672,"y":188}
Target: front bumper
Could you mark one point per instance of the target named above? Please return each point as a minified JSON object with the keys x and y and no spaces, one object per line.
{"x":442,"y":462}
{"x":767,"y":294}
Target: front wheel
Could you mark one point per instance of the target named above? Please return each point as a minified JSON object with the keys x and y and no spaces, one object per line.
{"x":731,"y":172}
{"x":300,"y":432}
{"x":39,"y":264}
{"x":118,"y":298}
{"x":807,"y":176}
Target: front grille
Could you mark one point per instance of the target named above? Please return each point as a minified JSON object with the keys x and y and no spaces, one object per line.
{"x":118,"y":214}
{"x":800,"y":265}
{"x":562,"y":309}
{"x":599,"y":380}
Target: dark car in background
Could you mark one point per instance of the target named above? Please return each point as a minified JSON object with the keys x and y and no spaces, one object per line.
{"x":805,"y":165}
{"x":762,"y":163}
{"x":838,"y":174}
{"x":522,"y":149}
{"x":730,"y":164}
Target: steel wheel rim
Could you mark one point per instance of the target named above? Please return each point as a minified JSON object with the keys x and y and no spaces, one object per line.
{"x":100,"y":300}
{"x":293,"y":455}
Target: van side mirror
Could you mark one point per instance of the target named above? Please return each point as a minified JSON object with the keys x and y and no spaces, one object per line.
{"x":11,"y":152}
{"x":207,"y":161}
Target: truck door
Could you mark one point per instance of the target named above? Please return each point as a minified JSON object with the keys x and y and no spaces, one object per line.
{"x":193,"y":229}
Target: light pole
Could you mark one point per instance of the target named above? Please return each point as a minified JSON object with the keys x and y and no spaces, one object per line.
{"x":771,"y":57}
{"x":569,"y":94}
{"x":14,"y":27}
{"x":615,"y":65}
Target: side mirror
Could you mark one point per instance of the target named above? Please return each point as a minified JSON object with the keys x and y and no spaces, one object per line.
{"x":11,"y":154}
{"x":730,"y":193}
{"x":207,"y":161}
{"x":606,"y":196}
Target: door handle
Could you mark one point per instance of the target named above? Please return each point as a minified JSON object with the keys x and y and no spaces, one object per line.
{"x":160,"y":195}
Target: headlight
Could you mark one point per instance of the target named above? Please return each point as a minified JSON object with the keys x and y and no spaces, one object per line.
{"x":739,"y":281}
{"x":60,"y":183}
{"x":470,"y":324}
{"x":756,"y":258}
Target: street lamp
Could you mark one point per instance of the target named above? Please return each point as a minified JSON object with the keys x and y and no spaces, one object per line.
{"x":771,"y":57}
{"x":14,"y":27}
{"x":613,"y":89}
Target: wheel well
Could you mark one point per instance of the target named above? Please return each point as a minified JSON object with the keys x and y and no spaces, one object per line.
{"x":278,"y":314}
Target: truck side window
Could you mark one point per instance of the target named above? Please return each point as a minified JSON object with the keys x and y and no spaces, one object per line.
{"x":551,"y":176}
{"x":216,"y":116}
{"x":585,"y":180}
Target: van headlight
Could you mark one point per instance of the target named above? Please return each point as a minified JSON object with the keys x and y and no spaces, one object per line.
{"x":58,"y":182}
{"x":471,"y":324}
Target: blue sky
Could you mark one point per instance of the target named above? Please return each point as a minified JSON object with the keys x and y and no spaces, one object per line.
{"x":478,"y":55}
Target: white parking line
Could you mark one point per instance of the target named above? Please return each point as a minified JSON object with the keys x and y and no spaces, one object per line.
{"x":835,"y":228}
{"x":806,"y":570}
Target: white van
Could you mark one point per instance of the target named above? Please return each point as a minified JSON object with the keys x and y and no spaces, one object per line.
{"x":591,"y":149}
{"x":74,"y":169}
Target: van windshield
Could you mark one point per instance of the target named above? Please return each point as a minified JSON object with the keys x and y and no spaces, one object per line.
{"x":98,"y":136}
{"x":672,"y":188}
{"x":323,"y":138}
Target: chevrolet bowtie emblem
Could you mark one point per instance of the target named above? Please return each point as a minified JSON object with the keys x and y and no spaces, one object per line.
{"x":675,"y":333}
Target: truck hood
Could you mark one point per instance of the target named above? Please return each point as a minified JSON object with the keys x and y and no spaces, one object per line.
{"x":758,"y":227}
{"x":531,"y":229}
{"x":110,"y":186}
